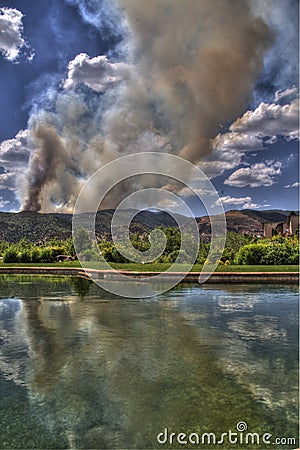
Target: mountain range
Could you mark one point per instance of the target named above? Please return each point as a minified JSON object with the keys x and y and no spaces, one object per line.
{"x":40,"y":228}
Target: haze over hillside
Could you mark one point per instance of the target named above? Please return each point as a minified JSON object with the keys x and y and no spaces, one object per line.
{"x":40,"y":228}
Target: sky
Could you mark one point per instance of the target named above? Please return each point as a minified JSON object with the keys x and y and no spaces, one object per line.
{"x":84,"y":82}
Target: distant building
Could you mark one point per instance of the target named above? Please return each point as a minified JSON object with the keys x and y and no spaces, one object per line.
{"x":287,"y":228}
{"x":294,"y":224}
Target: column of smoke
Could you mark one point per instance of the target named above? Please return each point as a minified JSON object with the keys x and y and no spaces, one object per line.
{"x":192,"y":65}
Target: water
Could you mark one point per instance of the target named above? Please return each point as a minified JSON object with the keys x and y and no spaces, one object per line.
{"x":80,"y":368}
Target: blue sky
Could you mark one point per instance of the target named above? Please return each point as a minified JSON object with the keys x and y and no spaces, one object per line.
{"x":86,"y":81}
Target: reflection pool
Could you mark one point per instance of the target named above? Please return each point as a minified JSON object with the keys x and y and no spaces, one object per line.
{"x":80,"y":368}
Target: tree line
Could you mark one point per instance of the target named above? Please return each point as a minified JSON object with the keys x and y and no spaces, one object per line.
{"x":239,"y":249}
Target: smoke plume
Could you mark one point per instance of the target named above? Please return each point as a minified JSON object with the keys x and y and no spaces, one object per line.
{"x":51,"y":161}
{"x":202,"y":59}
{"x":190,"y":66}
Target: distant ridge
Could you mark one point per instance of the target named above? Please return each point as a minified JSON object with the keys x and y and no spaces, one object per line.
{"x":40,"y":228}
{"x":272,"y":215}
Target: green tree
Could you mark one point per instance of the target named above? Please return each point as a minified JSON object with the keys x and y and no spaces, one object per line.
{"x":68,"y":245}
{"x":3,"y":247}
{"x":82,"y":241}
{"x":234,"y":241}
{"x":202,"y":252}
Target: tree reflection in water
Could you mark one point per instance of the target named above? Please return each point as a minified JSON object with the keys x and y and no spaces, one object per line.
{"x":109,"y":372}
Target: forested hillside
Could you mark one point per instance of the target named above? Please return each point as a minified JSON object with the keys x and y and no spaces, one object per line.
{"x":41,"y":228}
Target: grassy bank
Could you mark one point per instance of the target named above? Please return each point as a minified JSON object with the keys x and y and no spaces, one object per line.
{"x":161,"y":267}
{"x":54,"y":264}
{"x":198,"y":268}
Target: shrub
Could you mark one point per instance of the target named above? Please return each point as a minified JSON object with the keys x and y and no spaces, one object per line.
{"x":251,"y":254}
{"x":268,"y":254}
{"x":90,"y":255}
{"x":173,"y":256}
{"x":281,"y":254}
{"x":163,"y":259}
{"x":10,"y":255}
{"x":117,"y":257}
{"x":24,"y":256}
{"x":46,"y":255}
{"x":35,"y":255}
{"x":183,"y":257}
{"x":107,"y":254}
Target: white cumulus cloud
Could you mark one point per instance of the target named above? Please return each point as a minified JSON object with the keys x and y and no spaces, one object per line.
{"x":227,"y":200}
{"x":244,"y":202}
{"x":286,"y":93}
{"x":98,"y":73}
{"x":256,"y":129}
{"x":294,"y":185}
{"x":219,"y":161}
{"x":15,"y":152}
{"x":253,"y":132}
{"x":243,"y":142}
{"x":8,"y":180}
{"x":14,"y":157}
{"x":270,"y":120}
{"x":188,"y":191}
{"x":251,"y":205}
{"x":3,"y":202}
{"x":260,"y":174}
{"x":11,"y":34}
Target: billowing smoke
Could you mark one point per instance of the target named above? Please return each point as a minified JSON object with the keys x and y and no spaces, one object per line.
{"x":185,"y":68}
{"x":202,"y":59}
{"x":51,"y":163}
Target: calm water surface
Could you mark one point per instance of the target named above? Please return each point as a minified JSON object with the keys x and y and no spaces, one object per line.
{"x":80,"y":368}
